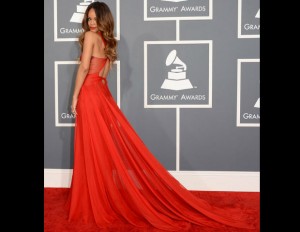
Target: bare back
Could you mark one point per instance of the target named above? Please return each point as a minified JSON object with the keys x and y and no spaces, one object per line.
{"x":98,"y":51}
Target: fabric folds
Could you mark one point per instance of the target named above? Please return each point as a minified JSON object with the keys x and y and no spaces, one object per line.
{"x":116,"y":179}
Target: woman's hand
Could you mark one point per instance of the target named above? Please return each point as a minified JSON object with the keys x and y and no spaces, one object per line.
{"x":73,"y":106}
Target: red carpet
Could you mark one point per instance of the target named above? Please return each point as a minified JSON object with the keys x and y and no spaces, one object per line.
{"x":55,"y":216}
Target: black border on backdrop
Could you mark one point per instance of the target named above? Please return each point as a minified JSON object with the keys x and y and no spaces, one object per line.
{"x":23,"y":120}
{"x":277,"y":200}
{"x":22,"y":82}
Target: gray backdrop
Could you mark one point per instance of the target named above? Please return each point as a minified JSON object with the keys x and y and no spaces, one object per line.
{"x":212,"y":124}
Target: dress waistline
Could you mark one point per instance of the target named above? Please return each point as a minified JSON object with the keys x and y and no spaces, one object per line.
{"x":94,"y":78}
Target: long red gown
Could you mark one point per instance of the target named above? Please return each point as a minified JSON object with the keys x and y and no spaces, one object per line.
{"x":116,"y":179}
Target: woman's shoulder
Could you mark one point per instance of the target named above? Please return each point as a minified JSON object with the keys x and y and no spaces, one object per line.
{"x":89,"y":35}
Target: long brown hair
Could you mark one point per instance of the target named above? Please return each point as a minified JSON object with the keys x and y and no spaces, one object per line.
{"x":105,"y":23}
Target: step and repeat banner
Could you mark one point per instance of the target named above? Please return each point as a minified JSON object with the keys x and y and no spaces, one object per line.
{"x":187,"y":78}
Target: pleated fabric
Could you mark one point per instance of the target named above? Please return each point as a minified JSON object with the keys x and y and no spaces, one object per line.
{"x":116,"y":178}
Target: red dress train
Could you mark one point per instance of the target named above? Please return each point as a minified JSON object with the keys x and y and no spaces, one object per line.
{"x":116,"y":179}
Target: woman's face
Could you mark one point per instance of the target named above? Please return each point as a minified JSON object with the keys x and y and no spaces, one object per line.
{"x":92,"y":20}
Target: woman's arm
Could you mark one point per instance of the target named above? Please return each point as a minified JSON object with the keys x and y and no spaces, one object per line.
{"x":83,"y":68}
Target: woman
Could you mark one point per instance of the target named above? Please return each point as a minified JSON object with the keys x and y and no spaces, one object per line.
{"x":116,"y":179}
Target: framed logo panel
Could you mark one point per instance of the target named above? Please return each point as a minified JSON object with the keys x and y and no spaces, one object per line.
{"x":64,"y":80}
{"x":68,"y":16}
{"x":248,"y":94}
{"x":248,"y":19}
{"x":178,"y":74}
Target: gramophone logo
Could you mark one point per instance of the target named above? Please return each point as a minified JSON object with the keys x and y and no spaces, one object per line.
{"x":258,"y":14}
{"x":177,"y":75}
{"x":78,"y":15}
{"x":257,"y":103}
